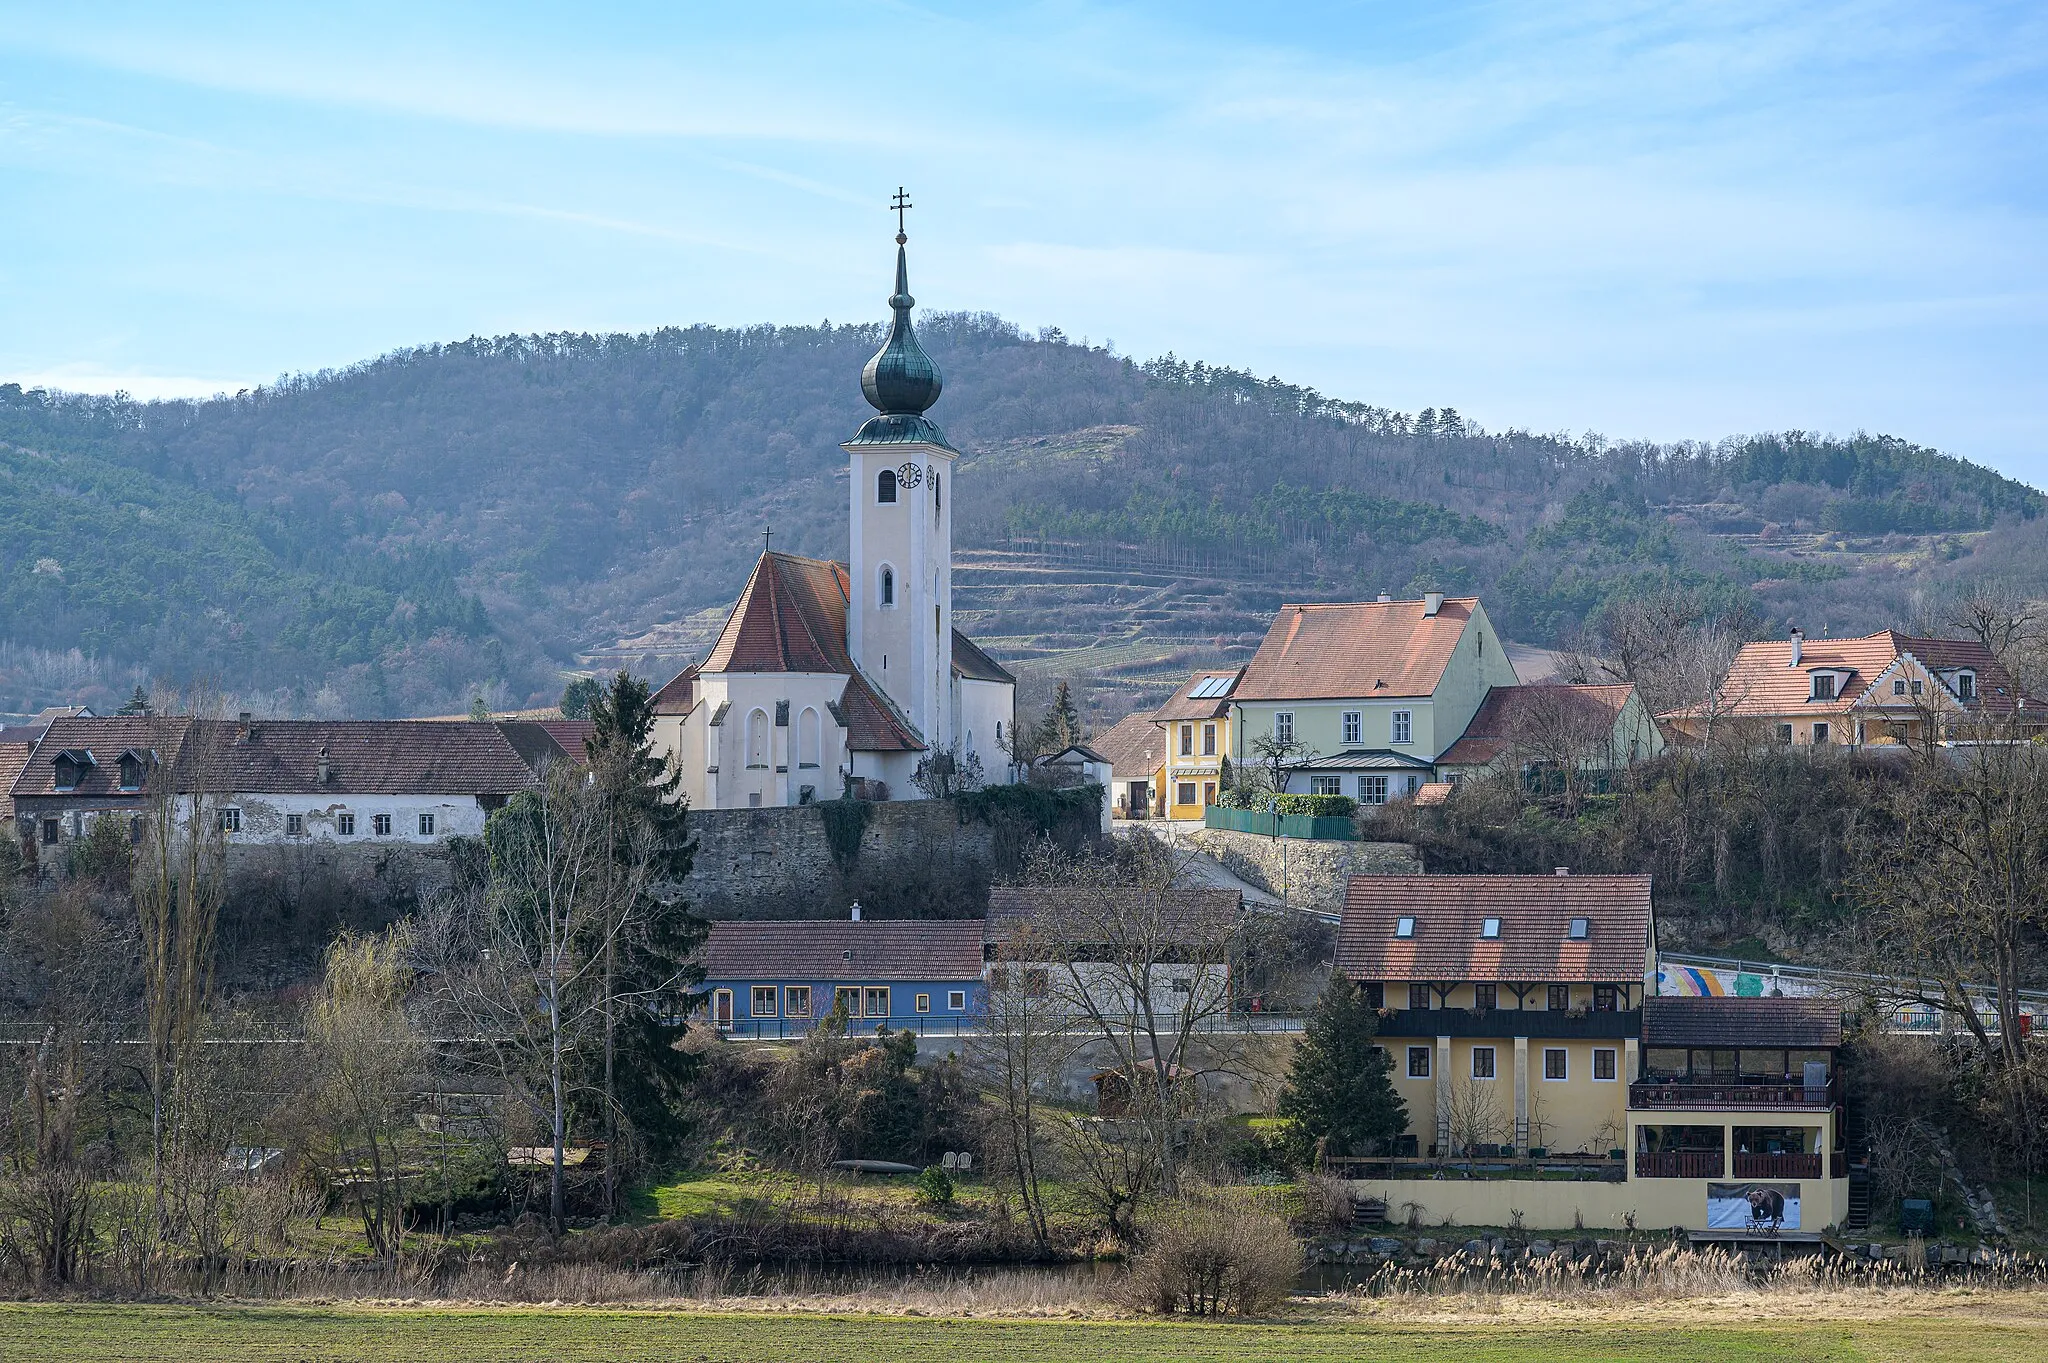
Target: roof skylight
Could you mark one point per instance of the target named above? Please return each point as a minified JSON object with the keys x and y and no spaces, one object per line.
{"x":1580,"y":927}
{"x":1490,"y":928}
{"x":1404,"y":926}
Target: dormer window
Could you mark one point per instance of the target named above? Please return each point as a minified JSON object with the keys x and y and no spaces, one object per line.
{"x":1823,"y":686}
{"x":1580,"y":927}
{"x":1489,"y":927}
{"x":1404,"y":927}
{"x":133,"y":765}
{"x":1966,"y":686}
{"x":69,"y":767}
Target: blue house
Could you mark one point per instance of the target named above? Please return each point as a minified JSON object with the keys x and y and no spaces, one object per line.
{"x":780,"y":979}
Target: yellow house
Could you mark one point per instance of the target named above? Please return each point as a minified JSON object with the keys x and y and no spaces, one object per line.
{"x":1194,"y":727}
{"x":1370,"y":691}
{"x":1544,"y":1086}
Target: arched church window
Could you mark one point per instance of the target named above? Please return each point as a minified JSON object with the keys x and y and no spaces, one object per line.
{"x":886,"y":593}
{"x":807,"y":742}
{"x":937,"y":501}
{"x":885,"y":485}
{"x":757,"y":738}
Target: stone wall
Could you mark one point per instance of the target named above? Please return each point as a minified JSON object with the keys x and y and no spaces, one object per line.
{"x":1307,"y":872}
{"x":916,"y":859}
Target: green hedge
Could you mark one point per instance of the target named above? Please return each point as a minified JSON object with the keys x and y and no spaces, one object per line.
{"x":1319,"y":806}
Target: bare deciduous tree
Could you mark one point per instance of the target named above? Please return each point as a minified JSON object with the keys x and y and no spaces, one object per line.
{"x":1024,"y":1042}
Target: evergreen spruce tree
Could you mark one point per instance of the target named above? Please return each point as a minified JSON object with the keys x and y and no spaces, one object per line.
{"x":1340,"y":1087}
{"x":1062,"y":727}
{"x":646,"y":1074}
{"x":138,"y":704}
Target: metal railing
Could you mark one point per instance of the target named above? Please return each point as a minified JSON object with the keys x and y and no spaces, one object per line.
{"x":968,"y":1025}
{"x":1680,"y":1093}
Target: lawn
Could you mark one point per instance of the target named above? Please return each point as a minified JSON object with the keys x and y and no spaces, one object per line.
{"x":55,"y":1333}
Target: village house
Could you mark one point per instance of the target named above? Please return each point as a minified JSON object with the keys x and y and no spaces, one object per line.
{"x":831,"y":677}
{"x":1367,"y":694}
{"x":274,"y":781}
{"x":1135,"y":749}
{"x":1195,"y":729}
{"x":1099,"y":949}
{"x":1540,"y":1071}
{"x":779,"y":979}
{"x":1877,"y":690}
{"x":1596,"y":729}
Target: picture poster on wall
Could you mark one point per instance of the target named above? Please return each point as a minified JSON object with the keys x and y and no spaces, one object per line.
{"x":1753,"y":1206}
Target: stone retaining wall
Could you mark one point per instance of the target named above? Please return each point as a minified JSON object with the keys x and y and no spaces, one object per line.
{"x":777,"y":862}
{"x":1308,"y":872}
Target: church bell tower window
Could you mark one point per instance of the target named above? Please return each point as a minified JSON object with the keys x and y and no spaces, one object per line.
{"x":887,"y":595}
{"x":885,"y":485}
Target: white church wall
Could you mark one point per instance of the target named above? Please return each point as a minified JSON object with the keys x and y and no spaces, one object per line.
{"x":982,"y":707}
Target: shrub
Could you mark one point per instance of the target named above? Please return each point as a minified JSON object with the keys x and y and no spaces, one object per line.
{"x":1210,"y":1259}
{"x":934,"y":1189}
{"x":1319,"y":806}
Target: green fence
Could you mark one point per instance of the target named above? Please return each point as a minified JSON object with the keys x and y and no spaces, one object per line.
{"x":1280,"y":825}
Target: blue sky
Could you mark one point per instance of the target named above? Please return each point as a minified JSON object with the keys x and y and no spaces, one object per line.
{"x":1646,"y":219}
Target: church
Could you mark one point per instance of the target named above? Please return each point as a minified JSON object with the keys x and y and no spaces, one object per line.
{"x":835,"y":677}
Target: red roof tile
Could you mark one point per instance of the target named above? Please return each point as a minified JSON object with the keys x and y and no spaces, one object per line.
{"x":1535,"y":944}
{"x":840,"y":949}
{"x":1763,"y":680}
{"x":1134,"y":746}
{"x":282,"y":756}
{"x":13,"y":757}
{"x":1363,"y":648}
{"x":790,"y":618}
{"x":679,"y":697}
{"x":1507,"y":709}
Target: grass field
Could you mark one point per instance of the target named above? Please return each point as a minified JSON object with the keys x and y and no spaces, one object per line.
{"x":313,"y":1334}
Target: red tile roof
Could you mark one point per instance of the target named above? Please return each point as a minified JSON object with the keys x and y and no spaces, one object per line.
{"x":1534,"y":945}
{"x":1742,"y":1022}
{"x":679,"y":697}
{"x":1764,"y":682}
{"x":282,"y":757}
{"x":1180,"y":705}
{"x":790,"y":618}
{"x":1508,"y":709}
{"x":1134,"y":746}
{"x":1355,"y":649}
{"x":13,"y":757}
{"x":840,"y":949}
{"x":872,"y":724}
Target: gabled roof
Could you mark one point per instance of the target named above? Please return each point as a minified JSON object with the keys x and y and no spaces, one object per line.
{"x":1204,"y":695}
{"x":1764,"y":681}
{"x":1508,"y":711}
{"x":790,"y":618}
{"x":1134,"y":746}
{"x":13,"y":757}
{"x":540,"y":742}
{"x":282,"y":757}
{"x":840,"y":949}
{"x":872,"y":724}
{"x":1191,"y":909}
{"x":1800,"y":1023}
{"x":1359,"y":649}
{"x":971,"y":664}
{"x":1535,"y":944}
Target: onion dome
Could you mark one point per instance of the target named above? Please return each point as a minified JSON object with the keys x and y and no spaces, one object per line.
{"x":900,"y":381}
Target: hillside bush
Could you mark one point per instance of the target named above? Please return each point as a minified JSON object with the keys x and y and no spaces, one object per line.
{"x":1314,"y":806}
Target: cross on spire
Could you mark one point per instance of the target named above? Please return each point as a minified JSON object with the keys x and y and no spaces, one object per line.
{"x":767,"y":535}
{"x":900,"y":202}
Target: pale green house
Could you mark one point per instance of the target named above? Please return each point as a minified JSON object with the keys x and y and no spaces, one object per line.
{"x":1373,"y":691}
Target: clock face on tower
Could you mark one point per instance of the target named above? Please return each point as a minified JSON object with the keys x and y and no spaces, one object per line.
{"x":910,"y":475}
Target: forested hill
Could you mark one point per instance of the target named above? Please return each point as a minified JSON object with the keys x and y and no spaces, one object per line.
{"x":392,"y":537}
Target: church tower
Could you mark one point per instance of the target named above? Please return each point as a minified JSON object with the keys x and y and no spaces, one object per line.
{"x":899,"y":619}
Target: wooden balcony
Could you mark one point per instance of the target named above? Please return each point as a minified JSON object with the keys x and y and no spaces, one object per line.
{"x":1697,"y":1093}
{"x":1679,"y":1164}
{"x":1777,"y":1166}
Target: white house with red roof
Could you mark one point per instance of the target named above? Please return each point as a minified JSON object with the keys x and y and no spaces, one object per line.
{"x":826,"y":672}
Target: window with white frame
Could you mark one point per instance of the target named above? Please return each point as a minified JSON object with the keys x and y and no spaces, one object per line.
{"x":1898,"y":686}
{"x":1283,"y":726}
{"x":380,"y":824}
{"x":345,"y":823}
{"x":426,"y":823}
{"x":1418,"y":1062}
{"x":1187,"y":740}
{"x":231,"y":820}
{"x":875,"y":1002}
{"x":1966,"y":686}
{"x":1354,"y":728}
{"x":1326,"y":785}
{"x":1372,"y":790}
{"x":1603,"y":1065}
{"x":1403,"y":725}
{"x":1208,"y":740}
{"x":294,"y":825}
{"x":1184,"y":793}
{"x":956,"y":1000}
{"x":1482,"y":1062}
{"x":1823,"y":686}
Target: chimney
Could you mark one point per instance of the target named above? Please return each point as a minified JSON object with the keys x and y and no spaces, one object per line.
{"x":326,"y":767}
{"x":1798,"y":647}
{"x":1432,"y":602}
{"x":1386,"y":596}
{"x":244,"y":727}
{"x":1563,"y":870}
{"x":856,"y":910}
